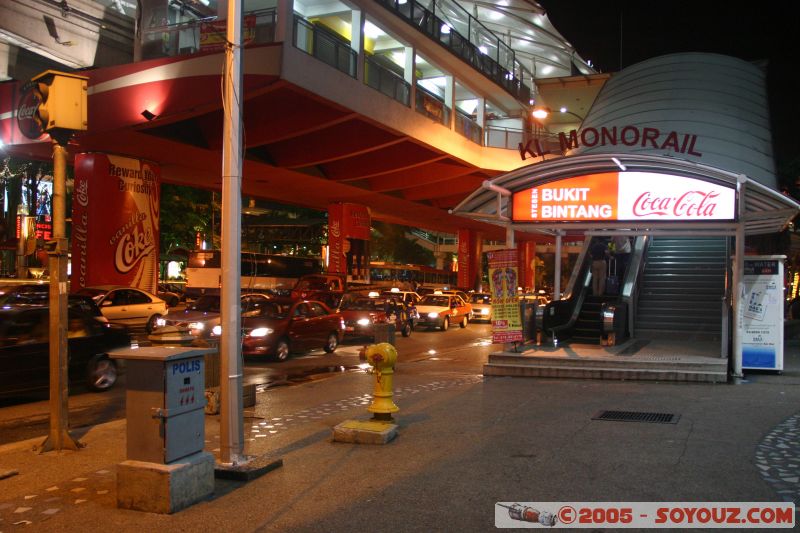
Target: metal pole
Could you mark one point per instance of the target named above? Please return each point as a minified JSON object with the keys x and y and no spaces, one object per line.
{"x":738,"y":280}
{"x":59,"y":438}
{"x":230,"y":348}
{"x":557,"y":269}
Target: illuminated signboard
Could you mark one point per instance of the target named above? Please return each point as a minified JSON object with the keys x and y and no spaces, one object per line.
{"x":630,"y":196}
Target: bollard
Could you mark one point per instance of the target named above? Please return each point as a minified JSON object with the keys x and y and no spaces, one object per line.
{"x":382,"y":357}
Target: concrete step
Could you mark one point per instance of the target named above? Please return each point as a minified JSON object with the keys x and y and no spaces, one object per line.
{"x":621,"y":362}
{"x":631,"y":374}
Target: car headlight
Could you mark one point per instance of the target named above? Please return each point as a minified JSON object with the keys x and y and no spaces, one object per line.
{"x":363,"y":322}
{"x":161,"y":322}
{"x":197,"y":325}
{"x":485,"y":311}
{"x":260,"y":332}
{"x":433,"y":315}
{"x":216,"y":330}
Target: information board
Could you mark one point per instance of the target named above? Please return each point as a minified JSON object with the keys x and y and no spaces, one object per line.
{"x":761,"y":313}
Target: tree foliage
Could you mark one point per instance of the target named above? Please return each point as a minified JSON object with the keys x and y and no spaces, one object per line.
{"x":389,"y":243}
{"x":184,"y":212}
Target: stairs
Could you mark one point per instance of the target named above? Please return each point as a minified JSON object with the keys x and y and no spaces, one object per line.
{"x":594,"y":363}
{"x":681,"y":289}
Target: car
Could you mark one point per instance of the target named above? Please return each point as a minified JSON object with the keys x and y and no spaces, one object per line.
{"x":481,"y":306}
{"x":166,"y":293}
{"x":25,"y":350}
{"x":361,"y":313}
{"x":283,"y":326}
{"x":409,"y":298}
{"x":127,"y":305}
{"x":325,"y":288}
{"x":200,"y":317}
{"x":441,"y":310}
{"x":39,"y":294}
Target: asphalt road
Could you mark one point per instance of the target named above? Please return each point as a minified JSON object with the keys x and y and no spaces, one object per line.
{"x":435,"y":352}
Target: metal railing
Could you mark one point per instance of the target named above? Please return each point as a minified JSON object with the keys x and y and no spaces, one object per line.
{"x":454,"y":28}
{"x":325,"y":45}
{"x":384,"y":80}
{"x":432,"y":106}
{"x":205,"y":35}
{"x":468,"y":127}
{"x":511,"y":138}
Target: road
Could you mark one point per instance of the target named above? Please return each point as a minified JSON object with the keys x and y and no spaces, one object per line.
{"x":454,"y":351}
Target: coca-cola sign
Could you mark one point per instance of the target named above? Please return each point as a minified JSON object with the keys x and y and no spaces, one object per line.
{"x":28,"y":103}
{"x":632,"y":196}
{"x":653,"y":196}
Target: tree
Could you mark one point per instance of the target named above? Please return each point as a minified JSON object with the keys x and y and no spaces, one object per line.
{"x":389,"y":243}
{"x":184,"y":212}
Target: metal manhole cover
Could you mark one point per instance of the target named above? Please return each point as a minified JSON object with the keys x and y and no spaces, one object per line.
{"x":635,"y":416}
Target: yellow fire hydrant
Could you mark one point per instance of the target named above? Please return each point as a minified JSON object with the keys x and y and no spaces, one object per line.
{"x":382,"y":358}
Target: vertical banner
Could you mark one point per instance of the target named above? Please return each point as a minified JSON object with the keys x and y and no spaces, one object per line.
{"x":503,"y":279}
{"x":761,"y":310}
{"x":469,"y":258}
{"x":345,"y":222}
{"x":115,"y":217}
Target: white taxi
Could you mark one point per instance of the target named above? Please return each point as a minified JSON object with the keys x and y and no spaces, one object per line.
{"x":441,"y":310}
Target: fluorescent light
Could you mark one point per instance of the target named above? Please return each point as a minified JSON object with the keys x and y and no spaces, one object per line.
{"x":445,"y":29}
{"x":372,"y":31}
{"x":482,"y":49}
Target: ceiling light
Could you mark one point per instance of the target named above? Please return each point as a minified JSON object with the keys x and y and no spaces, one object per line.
{"x":372,"y":31}
{"x":148,"y":115}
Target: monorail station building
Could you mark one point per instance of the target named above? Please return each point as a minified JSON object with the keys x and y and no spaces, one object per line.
{"x":420,"y":113}
{"x":675,"y":158}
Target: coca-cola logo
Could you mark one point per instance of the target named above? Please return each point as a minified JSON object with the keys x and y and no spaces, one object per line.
{"x":132,"y":248}
{"x":27,"y":105}
{"x":335,"y":229}
{"x":82,"y":192}
{"x":690,"y":204}
{"x":133,"y":243}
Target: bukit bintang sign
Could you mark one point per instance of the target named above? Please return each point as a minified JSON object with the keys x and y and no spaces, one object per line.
{"x":629,"y":196}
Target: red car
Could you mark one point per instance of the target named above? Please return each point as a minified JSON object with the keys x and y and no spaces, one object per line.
{"x":362,"y":313}
{"x":283,"y":326}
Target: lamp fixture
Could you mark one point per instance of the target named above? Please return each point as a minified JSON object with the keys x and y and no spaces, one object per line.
{"x":148,"y":115}
{"x":541,"y":113}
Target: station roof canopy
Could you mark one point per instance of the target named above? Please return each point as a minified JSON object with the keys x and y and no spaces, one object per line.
{"x":760,"y":208}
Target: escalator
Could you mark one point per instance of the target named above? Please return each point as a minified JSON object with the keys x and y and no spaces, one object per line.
{"x":681,"y":288}
{"x":579,"y":317}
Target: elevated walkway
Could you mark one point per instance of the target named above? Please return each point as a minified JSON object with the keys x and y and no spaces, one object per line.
{"x":645,"y":360}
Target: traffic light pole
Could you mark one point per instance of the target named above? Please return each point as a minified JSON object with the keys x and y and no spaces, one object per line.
{"x":59,"y":437}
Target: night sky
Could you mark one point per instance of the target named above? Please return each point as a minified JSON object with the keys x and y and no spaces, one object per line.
{"x":619,"y":33}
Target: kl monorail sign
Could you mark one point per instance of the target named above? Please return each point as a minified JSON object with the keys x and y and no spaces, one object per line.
{"x":628,"y":196}
{"x":630,"y":136}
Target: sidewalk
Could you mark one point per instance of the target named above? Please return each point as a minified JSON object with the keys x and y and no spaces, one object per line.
{"x":465,"y":442}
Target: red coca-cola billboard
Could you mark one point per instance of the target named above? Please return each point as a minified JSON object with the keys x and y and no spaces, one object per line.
{"x":115,"y":216}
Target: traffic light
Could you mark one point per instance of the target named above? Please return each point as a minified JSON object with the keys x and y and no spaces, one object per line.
{"x":62,"y":101}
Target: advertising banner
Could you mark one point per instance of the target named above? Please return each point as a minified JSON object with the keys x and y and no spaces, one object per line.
{"x":503,"y":278}
{"x":345,"y":222}
{"x":115,"y":216}
{"x":629,"y":196}
{"x":761,"y":313}
{"x":470,"y":251}
{"x":213,"y":35}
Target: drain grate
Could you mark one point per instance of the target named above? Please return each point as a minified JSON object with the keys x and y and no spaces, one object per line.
{"x":634,"y":416}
